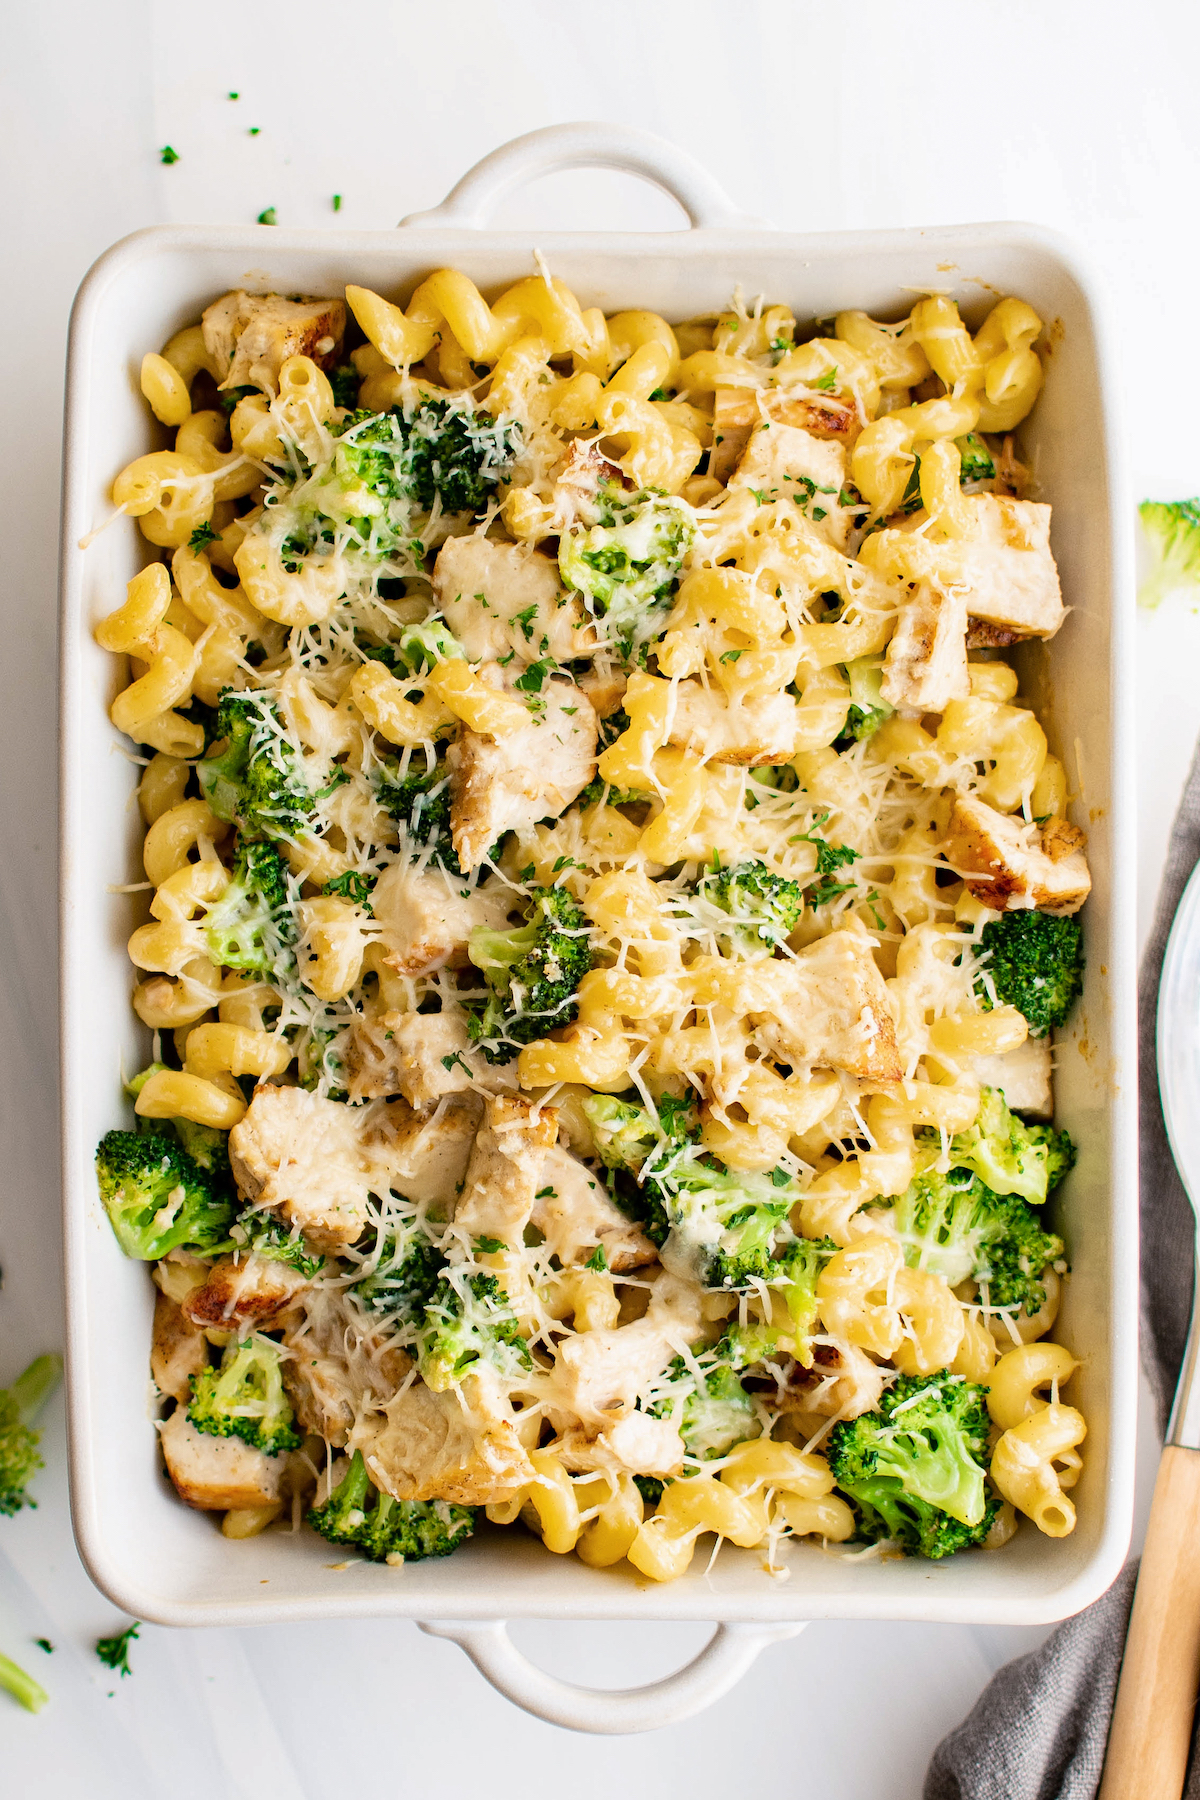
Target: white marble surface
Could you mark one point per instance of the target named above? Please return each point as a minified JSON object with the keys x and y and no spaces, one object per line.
{"x":1082,"y":115}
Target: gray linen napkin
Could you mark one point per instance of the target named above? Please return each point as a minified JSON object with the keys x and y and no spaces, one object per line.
{"x":1039,"y":1728}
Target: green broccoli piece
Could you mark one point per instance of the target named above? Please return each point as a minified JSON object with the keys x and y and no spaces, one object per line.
{"x":252,"y":924}
{"x":868,"y":708}
{"x":387,"y":1530}
{"x":955,"y":1226}
{"x":114,"y":1651}
{"x":629,"y":1141}
{"x":257,"y":779}
{"x":765,"y":907}
{"x":244,"y":1397}
{"x":403,"y":1277}
{"x":19,"y":1405}
{"x":24,"y":1689}
{"x":261,"y":1234}
{"x":158,"y":1198}
{"x":725,"y":1224}
{"x":532,"y":973}
{"x":421,"y":804}
{"x":468,"y":1320}
{"x":914,"y":1469}
{"x":441,"y":451}
{"x":205,"y":1145}
{"x":1034,"y":962}
{"x":977,"y":460}
{"x":1010,"y":1156}
{"x":708,"y":1404}
{"x":628,"y":564}
{"x":345,"y":382}
{"x":1172,"y":529}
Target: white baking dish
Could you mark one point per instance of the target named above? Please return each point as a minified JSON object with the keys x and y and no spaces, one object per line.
{"x":162,"y":1562}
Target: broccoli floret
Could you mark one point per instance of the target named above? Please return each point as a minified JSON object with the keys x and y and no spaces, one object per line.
{"x":205,"y":1145}
{"x":443,"y":450}
{"x":1172,"y":529}
{"x":468,"y":1320}
{"x":629,"y":1141}
{"x":623,"y":1132}
{"x":421,"y":804}
{"x":708,"y":1404}
{"x":532,"y":973}
{"x":252,"y":925}
{"x":914,"y":1469}
{"x":955,"y":1226}
{"x":403,"y":1278}
{"x":261,"y":1234}
{"x":345,"y":382}
{"x":627,"y":565}
{"x":797,"y":1264}
{"x":977,"y":462}
{"x":257,"y":780}
{"x":158,"y":1198}
{"x":24,"y":1689}
{"x":19,"y":1405}
{"x":868,"y":708}
{"x":1009,"y":1156}
{"x":388,"y":1530}
{"x":1035,"y":963}
{"x":245,"y":1398}
{"x":725,"y":1224}
{"x":763,"y":906}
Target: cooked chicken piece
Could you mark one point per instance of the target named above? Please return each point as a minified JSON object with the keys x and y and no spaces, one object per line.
{"x":250,"y":336}
{"x":1022,"y":1075}
{"x":842,"y":1383}
{"x":218,"y":1473}
{"x":505,"y":1169}
{"x":635,"y":1445}
{"x":508,"y":784}
{"x":603,"y":1372}
{"x":605,"y":688}
{"x":828,"y":1008}
{"x":759,"y":730}
{"x":1061,"y":839}
{"x":822,"y":415}
{"x":982,"y":636}
{"x":427,"y":916}
{"x":243,"y":1295}
{"x":739,"y":411}
{"x":460,"y":1445}
{"x":178,"y":1350}
{"x":425,"y":1159}
{"x":301,"y":1156}
{"x":573,"y":1212}
{"x":335,"y":1364}
{"x":1008,"y":573}
{"x":584,"y":472}
{"x":1005,"y":864}
{"x":926,"y":662}
{"x":503,"y":600}
{"x":423,"y":1056}
{"x":786,"y":462}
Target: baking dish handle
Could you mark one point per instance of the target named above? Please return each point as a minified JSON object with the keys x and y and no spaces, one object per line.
{"x":587,"y":145}
{"x":721,"y":1664}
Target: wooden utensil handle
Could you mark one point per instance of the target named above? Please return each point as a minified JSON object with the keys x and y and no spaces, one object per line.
{"x":1152,"y":1720}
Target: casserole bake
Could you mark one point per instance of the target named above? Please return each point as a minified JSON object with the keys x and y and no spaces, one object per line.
{"x":166,"y":1565}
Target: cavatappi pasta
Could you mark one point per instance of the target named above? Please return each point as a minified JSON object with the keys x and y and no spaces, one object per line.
{"x":610,"y":905}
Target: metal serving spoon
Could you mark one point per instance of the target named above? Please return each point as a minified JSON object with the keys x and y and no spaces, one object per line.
{"x":1152,"y":1721}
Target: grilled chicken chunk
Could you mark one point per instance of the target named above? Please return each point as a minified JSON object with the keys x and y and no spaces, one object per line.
{"x":460,"y":1445}
{"x":755,"y":731}
{"x":250,"y":336}
{"x":423,"y":1056}
{"x":505,"y":1169}
{"x":926,"y":662}
{"x":426,"y":1158}
{"x":573,"y":1212}
{"x":786,"y":462}
{"x":335,"y":1365}
{"x":243,"y":1295}
{"x":178,"y":1349}
{"x":301,"y":1156}
{"x":634,"y":1445}
{"x":1007,"y":863}
{"x":1007,"y":571}
{"x":600,"y":1374}
{"x":503,"y":599}
{"x":829,"y":1007}
{"x":509,"y":783}
{"x":427,"y":916}
{"x":218,"y":1473}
